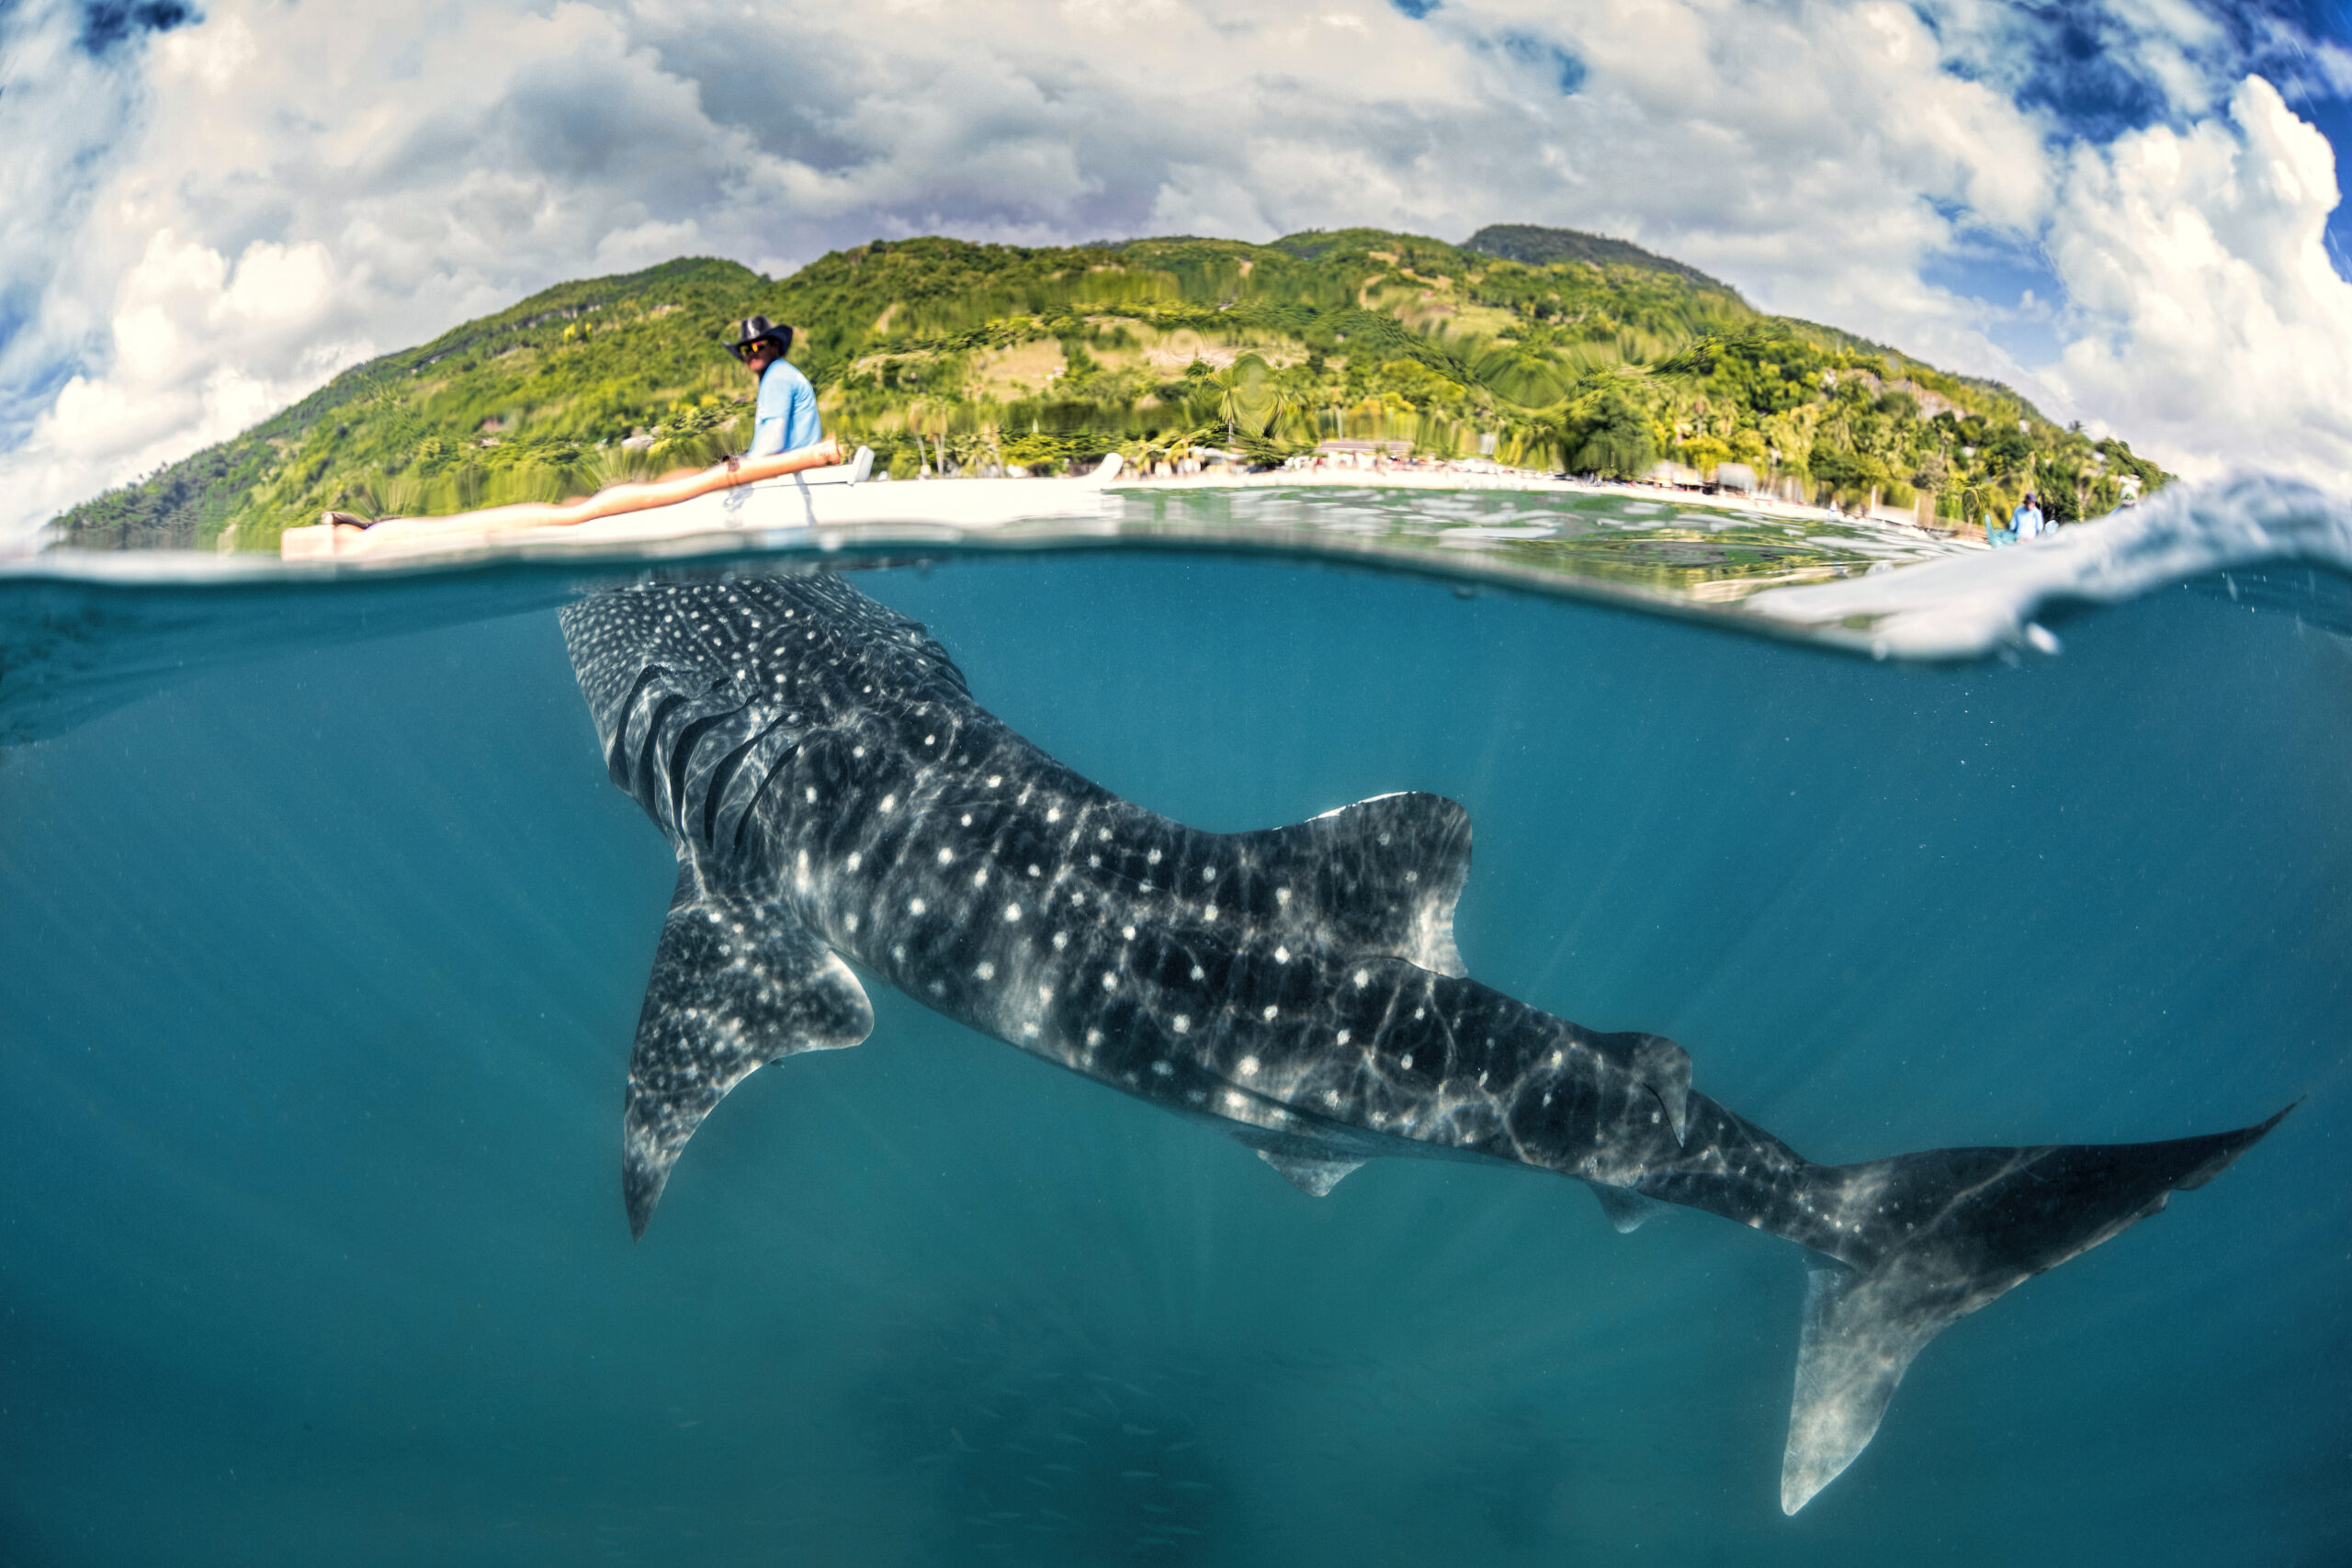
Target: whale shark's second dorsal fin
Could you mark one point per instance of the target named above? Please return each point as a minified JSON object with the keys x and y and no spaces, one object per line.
{"x":1382,"y":875}
{"x":738,"y":983}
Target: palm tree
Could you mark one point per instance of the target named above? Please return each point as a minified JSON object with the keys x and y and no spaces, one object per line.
{"x":1282,"y":401}
{"x":1172,"y":446}
{"x":1247,"y":394}
{"x":1516,"y":373}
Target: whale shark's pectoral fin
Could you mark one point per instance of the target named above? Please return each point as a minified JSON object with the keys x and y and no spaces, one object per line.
{"x":1385,"y":873}
{"x":737,"y":984}
{"x":1316,"y":1178}
{"x":1626,"y":1209}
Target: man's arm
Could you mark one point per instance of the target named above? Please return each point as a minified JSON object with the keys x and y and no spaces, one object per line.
{"x":786,"y":419}
{"x":767,"y":415}
{"x":802,"y":425}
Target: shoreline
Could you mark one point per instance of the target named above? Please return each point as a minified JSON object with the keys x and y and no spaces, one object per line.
{"x":1526,"y":482}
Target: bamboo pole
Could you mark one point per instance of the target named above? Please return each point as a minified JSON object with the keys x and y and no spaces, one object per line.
{"x":613,"y":500}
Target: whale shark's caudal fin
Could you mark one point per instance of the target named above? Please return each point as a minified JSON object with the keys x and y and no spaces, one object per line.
{"x":1384,"y":874}
{"x":738,"y":983}
{"x":1986,"y":1221}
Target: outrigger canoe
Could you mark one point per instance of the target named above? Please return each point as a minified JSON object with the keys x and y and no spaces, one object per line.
{"x":813,"y":488}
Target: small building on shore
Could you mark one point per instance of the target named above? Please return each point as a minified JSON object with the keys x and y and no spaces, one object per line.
{"x":1363,"y":452}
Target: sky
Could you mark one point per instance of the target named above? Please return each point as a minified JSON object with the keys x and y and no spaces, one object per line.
{"x":2126,"y":208}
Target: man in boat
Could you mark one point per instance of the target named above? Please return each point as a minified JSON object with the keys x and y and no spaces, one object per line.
{"x":2027,"y":522}
{"x":785,"y":419}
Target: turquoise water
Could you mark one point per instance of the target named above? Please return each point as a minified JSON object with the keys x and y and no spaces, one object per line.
{"x":323,"y":935}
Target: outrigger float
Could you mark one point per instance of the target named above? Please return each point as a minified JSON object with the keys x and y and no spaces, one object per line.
{"x":817,"y":487}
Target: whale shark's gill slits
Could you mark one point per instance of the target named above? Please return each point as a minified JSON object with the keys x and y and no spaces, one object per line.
{"x":763,"y":762}
{"x":608,"y":644}
{"x":722,"y":773}
{"x":645,"y":783}
{"x":618,"y":760}
{"x":765,"y":779}
{"x":681,"y":756}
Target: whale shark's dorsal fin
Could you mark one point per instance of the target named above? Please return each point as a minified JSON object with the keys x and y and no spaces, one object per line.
{"x":1316,"y":1178}
{"x":1384,"y":874}
{"x":738,"y":983}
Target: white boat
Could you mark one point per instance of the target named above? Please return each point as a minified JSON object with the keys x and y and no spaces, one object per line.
{"x":791,"y":508}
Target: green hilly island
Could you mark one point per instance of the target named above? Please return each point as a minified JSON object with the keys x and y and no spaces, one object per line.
{"x":1549,"y":347}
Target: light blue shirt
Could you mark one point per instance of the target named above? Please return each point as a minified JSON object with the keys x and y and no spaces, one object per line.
{"x":2026,"y":521}
{"x":786,"y":419}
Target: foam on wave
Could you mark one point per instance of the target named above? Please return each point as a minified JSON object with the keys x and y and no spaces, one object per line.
{"x":1967,"y":606}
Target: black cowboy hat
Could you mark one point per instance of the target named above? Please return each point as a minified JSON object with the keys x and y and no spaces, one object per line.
{"x":759,"y":329}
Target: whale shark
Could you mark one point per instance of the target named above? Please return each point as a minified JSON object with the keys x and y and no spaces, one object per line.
{"x":840,"y":806}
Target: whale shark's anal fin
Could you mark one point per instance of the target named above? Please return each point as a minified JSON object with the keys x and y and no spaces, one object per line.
{"x":1625,"y":1209}
{"x":1989,"y":1219}
{"x":736,"y":983}
{"x":1384,"y":874}
{"x":1316,"y":1178}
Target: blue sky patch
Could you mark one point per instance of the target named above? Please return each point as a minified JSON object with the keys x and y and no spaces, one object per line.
{"x":2082,"y":72}
{"x":2002,"y":274}
{"x":2077,"y":61}
{"x":106,"y":23}
{"x":2332,"y":117}
{"x":22,"y":402}
{"x":1998,"y":274}
{"x":1565,"y":69}
{"x":2080,"y":63}
{"x":1416,"y":9}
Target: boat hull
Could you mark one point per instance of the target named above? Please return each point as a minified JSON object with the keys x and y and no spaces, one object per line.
{"x":793,"y":504}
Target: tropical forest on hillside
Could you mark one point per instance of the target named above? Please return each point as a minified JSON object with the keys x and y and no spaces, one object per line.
{"x":1546,"y":348}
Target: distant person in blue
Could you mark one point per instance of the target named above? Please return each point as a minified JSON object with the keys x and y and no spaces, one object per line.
{"x":2026,"y":521}
{"x":785,"y":418}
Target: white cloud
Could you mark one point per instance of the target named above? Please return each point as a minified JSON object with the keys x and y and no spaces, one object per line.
{"x":266,"y":192}
{"x":2213,"y":328}
{"x":201,"y":350}
{"x":60,"y":112}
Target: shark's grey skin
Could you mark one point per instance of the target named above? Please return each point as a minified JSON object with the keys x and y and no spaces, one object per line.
{"x":833,"y":793}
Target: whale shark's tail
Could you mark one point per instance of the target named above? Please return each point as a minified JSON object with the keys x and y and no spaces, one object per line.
{"x":1941,"y":1234}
